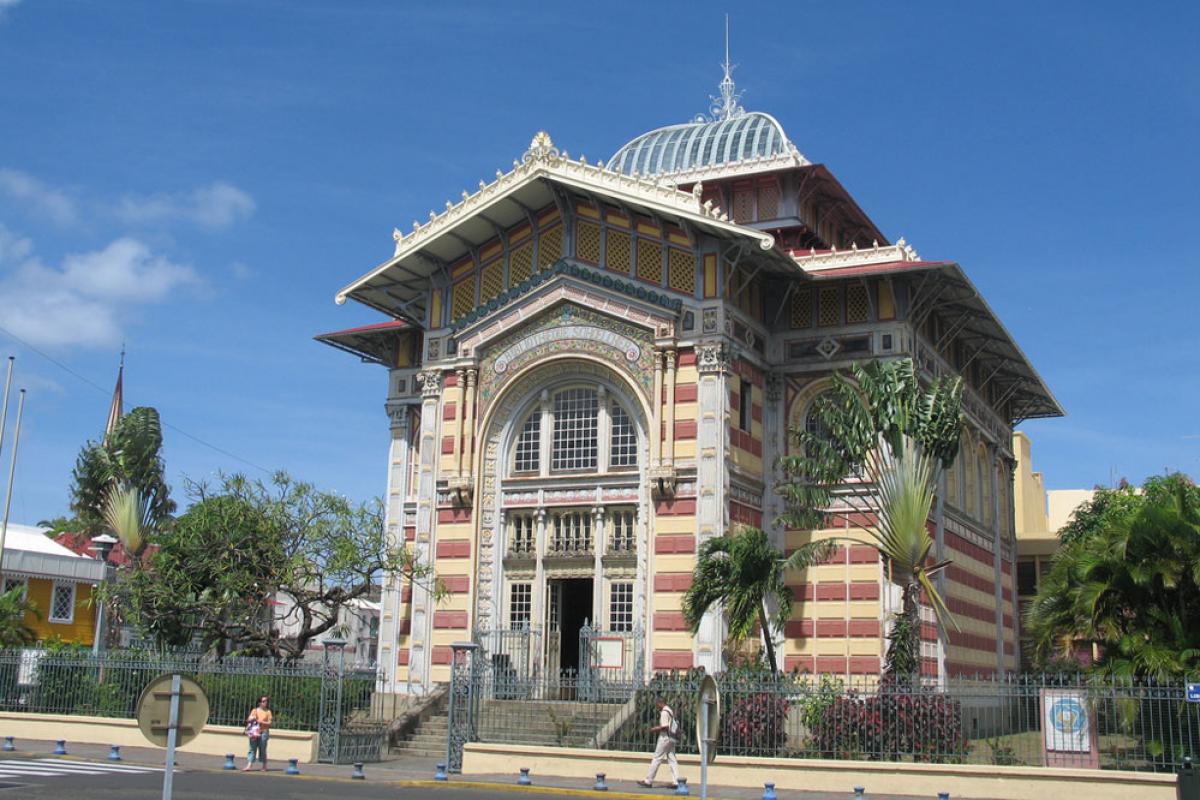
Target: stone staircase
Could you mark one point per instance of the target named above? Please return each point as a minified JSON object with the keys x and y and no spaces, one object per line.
{"x":550,"y":723}
{"x":537,"y":722}
{"x":428,"y":740}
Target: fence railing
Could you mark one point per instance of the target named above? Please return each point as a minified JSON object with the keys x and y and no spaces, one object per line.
{"x":108,"y":685}
{"x":1104,"y":722}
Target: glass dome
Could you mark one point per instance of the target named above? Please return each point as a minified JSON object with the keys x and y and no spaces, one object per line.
{"x":699,"y":145}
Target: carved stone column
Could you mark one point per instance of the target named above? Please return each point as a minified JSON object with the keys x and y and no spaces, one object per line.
{"x":399,"y":414}
{"x":669,"y":455}
{"x":459,"y":412}
{"x":599,"y":536}
{"x":713,"y":364}
{"x":656,"y":409}
{"x":424,"y":547}
{"x":538,"y":613}
{"x":469,"y":423}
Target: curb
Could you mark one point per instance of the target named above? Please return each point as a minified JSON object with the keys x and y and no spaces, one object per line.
{"x":514,"y":787}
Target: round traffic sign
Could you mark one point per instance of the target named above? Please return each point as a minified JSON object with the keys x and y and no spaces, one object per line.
{"x":154,"y":710}
{"x":708,"y":705}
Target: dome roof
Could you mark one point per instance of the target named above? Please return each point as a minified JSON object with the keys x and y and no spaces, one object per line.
{"x":698,"y":145}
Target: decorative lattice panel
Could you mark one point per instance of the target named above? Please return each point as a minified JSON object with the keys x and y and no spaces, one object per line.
{"x":802,"y":309}
{"x":649,"y":261}
{"x":856,"y":303}
{"x":829,"y":312}
{"x":768,"y":201}
{"x":587,"y":241}
{"x":743,"y":206}
{"x":520,"y":263}
{"x":463,"y":300}
{"x":618,"y":247}
{"x":491,"y":281}
{"x":550,"y":247}
{"x":681,"y":271}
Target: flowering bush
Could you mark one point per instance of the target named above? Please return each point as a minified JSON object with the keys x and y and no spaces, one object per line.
{"x":895,"y":723}
{"x":754,"y":723}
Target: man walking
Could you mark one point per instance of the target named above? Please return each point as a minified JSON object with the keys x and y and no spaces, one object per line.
{"x":668,"y":733}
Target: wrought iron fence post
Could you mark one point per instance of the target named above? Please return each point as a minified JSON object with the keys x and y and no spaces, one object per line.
{"x":329,"y":725}
{"x":464,"y":685}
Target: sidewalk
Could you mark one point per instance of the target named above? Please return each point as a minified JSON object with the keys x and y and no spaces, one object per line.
{"x":420,"y":772}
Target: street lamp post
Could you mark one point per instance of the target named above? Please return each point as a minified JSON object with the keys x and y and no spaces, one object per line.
{"x":102,"y":545}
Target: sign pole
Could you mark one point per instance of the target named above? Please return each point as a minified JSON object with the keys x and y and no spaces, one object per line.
{"x":704,"y":750}
{"x":172,"y":730}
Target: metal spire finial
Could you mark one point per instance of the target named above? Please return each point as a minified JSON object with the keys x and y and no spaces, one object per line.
{"x":726,"y":106}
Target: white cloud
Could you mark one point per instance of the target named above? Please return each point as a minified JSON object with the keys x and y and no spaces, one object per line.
{"x":37,"y":196}
{"x":86,"y":300}
{"x":14,"y":248}
{"x":241,"y":271}
{"x":218,"y":205}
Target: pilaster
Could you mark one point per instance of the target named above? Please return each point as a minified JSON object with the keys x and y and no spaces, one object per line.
{"x":399,"y":455}
{"x":421,"y":650}
{"x":713,"y":366}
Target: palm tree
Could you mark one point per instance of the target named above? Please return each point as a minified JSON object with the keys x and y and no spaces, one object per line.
{"x":884,"y":424}
{"x":1144,"y":558}
{"x":746,"y":574}
{"x":130,"y":517}
{"x":904,"y":488}
{"x":131,"y":454}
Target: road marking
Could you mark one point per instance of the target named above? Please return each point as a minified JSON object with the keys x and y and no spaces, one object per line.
{"x":56,"y":768}
{"x":98,"y":765}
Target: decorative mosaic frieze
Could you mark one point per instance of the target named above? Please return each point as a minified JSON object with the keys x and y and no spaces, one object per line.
{"x":567,"y":328}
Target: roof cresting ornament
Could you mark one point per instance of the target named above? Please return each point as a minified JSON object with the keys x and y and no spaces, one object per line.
{"x":726,"y":106}
{"x":541,"y":149}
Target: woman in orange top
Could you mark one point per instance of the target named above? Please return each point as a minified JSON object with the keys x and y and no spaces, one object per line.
{"x":258,"y":728}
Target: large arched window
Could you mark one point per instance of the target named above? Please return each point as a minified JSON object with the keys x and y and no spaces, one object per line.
{"x":576,"y":429}
{"x":814,"y":426}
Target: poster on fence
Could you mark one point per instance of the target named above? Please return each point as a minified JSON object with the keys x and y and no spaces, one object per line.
{"x":1068,"y":729}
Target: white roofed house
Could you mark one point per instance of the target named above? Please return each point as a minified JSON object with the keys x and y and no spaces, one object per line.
{"x":59,"y":583}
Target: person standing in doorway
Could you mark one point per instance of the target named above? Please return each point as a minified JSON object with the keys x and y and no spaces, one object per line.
{"x":258,"y":729}
{"x":668,"y":734}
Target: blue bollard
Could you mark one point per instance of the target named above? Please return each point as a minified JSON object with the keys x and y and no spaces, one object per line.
{"x":769,"y":791}
{"x":229,"y":762}
{"x":8,"y":744}
{"x":681,"y":787}
{"x":440,"y":775}
{"x":292,"y":768}
{"x":115,"y":753}
{"x":523,"y":778}
{"x":600,"y":786}
{"x":858,"y":792}
{"x":60,"y":747}
{"x":357,"y":774}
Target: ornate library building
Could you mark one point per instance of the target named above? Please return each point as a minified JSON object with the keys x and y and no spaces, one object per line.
{"x":593,"y":368}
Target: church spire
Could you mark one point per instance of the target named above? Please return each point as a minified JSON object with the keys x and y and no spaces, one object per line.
{"x":117,"y":409}
{"x":727,"y":106}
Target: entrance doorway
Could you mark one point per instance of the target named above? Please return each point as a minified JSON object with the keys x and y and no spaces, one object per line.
{"x":570,"y":606}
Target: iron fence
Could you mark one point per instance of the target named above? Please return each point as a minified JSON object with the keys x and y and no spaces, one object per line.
{"x":1108,"y":723}
{"x":108,"y":685}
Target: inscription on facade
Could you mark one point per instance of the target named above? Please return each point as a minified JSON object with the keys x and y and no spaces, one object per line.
{"x":566,"y":333}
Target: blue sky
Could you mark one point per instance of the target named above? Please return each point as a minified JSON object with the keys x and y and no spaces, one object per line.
{"x":198,"y":178}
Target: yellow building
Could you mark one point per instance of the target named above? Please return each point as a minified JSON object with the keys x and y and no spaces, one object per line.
{"x":1040,"y":515}
{"x":57,"y":581}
